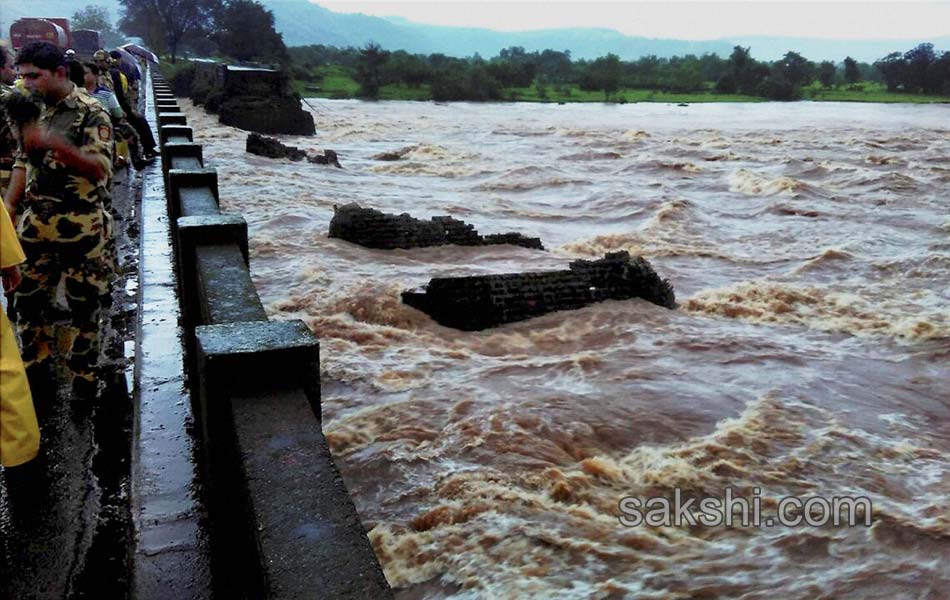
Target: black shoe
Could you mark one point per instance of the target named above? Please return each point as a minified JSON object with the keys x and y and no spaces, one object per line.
{"x":28,"y":493}
{"x":85,"y":390}
{"x":40,"y":378}
{"x":42,"y":389}
{"x":27,"y":476}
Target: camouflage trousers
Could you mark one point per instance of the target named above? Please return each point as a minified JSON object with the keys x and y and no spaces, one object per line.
{"x":5,"y":175}
{"x":124,"y":129}
{"x":86,"y":273}
{"x":35,"y":303}
{"x":110,"y":252}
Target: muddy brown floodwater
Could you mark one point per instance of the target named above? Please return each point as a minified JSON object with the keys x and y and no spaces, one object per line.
{"x":809,"y":245}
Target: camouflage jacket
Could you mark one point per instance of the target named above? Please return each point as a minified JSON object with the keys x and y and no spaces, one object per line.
{"x":105,"y":80}
{"x":8,"y":144}
{"x":61,"y":205}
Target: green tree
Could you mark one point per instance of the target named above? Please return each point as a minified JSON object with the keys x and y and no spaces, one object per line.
{"x":504,"y":72}
{"x":826,"y":73}
{"x":168,"y":25}
{"x":520,"y":69}
{"x":447,"y":86}
{"x":605,"y":73}
{"x":796,"y":69}
{"x":685,"y":76}
{"x":740,"y":59}
{"x":368,"y":70}
{"x":643,"y":73}
{"x":97,"y":18}
{"x":892,"y":68}
{"x":408,"y":69}
{"x":747,"y":73}
{"x":779,"y":88}
{"x":726,"y":84}
{"x":480,"y":85}
{"x":463,"y":79}
{"x":712,"y":66}
{"x":852,"y":73}
{"x":244,"y":30}
{"x":918,"y":61}
{"x":554,"y":66}
{"x":939,"y":80}
{"x":319,"y":55}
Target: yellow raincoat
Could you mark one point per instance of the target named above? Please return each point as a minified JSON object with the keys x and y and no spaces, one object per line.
{"x":19,"y":432}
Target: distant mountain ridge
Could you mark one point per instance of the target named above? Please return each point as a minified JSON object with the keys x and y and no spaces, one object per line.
{"x":302,"y":23}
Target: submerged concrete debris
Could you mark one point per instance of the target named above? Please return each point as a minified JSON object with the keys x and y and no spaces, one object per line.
{"x":479,"y":302}
{"x":252,"y":98}
{"x":272,"y":148}
{"x":374,"y":229}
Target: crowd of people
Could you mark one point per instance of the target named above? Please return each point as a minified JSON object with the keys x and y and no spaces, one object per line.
{"x":64,"y":124}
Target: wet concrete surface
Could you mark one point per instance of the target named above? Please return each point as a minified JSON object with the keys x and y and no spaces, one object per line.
{"x":64,"y":518}
{"x":112,"y":507}
{"x":310,"y":534}
{"x":171,"y":549}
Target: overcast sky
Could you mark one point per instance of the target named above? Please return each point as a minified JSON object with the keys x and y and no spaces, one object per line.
{"x":680,"y":19}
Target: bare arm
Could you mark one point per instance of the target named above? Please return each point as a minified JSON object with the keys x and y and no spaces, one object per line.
{"x":14,"y":192}
{"x":11,"y":278}
{"x":89,"y":165}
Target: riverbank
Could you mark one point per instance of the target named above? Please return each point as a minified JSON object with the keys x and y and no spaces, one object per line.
{"x":338,"y":85}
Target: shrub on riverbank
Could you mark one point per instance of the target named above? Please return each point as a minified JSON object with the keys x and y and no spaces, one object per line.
{"x":338,"y":86}
{"x":553,"y":76}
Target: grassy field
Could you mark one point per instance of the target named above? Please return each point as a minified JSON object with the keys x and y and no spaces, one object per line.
{"x":865,"y":92}
{"x":337,"y":83}
{"x":575,"y":94}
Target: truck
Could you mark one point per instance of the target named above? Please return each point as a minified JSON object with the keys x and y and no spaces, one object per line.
{"x":85,"y":42}
{"x":46,"y":29}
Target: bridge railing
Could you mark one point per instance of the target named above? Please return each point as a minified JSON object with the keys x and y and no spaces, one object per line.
{"x":282,"y":522}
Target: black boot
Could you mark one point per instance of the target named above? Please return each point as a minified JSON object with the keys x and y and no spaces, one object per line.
{"x":42,"y":388}
{"x":85,"y":390}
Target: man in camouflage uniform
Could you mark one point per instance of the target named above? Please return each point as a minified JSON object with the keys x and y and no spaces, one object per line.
{"x":62,"y":228}
{"x":7,"y":140}
{"x":102,"y":60}
{"x":80,"y":75}
{"x":121,"y":85}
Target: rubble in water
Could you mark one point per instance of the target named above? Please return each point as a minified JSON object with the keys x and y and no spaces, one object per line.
{"x":374,"y":229}
{"x":273,"y":148}
{"x":478,"y":302}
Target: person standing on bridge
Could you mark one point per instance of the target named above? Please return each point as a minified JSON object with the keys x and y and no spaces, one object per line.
{"x":68,"y":159}
{"x":113,"y":78}
{"x":8,"y":143}
{"x":19,"y":431}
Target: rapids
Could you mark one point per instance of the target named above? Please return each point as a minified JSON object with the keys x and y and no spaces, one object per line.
{"x":809,"y":245}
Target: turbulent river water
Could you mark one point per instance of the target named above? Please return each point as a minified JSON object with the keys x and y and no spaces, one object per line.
{"x":809,"y":247}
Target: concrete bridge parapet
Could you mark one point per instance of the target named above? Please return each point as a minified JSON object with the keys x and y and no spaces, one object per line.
{"x":249,"y":503}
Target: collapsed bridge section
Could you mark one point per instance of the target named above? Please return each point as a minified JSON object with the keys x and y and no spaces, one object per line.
{"x":375,"y":229}
{"x":478,"y":302}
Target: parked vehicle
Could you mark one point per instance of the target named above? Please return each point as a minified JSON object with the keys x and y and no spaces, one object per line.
{"x":31,"y":29}
{"x":85,"y":42}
